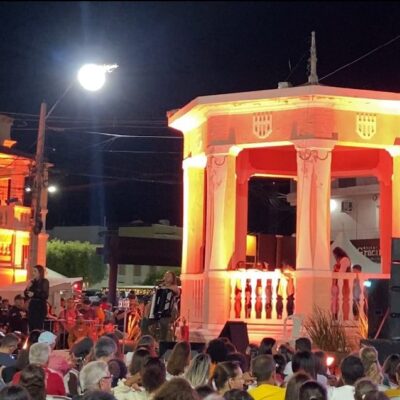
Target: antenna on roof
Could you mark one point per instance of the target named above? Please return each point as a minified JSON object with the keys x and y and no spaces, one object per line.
{"x":313,"y":77}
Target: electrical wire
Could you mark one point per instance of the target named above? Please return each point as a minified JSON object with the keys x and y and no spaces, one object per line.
{"x":362,"y":57}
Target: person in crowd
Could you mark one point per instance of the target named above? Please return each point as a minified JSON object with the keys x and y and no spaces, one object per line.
{"x":287,"y":352}
{"x":389,"y":370}
{"x":351,"y":369}
{"x":39,"y":355}
{"x":263,"y":368}
{"x":153,"y":376}
{"x":300,"y":344}
{"x":305,"y":361}
{"x":312,"y":390}
{"x":280,"y":368}
{"x":87,"y":311}
{"x":57,"y":362}
{"x":17,"y":316}
{"x":33,"y":380}
{"x":267,"y":346}
{"x":37,"y":292}
{"x":198,"y":372}
{"x":4,"y":310}
{"x":104,"y":349}
{"x":68,"y":317}
{"x":294,"y":383}
{"x":372,"y":369}
{"x":227,"y":375}
{"x":14,"y":392}
{"x":95,"y":375}
{"x":50,"y":322}
{"x":78,"y":331}
{"x":149,"y":343}
{"x":176,"y":389}
{"x":23,"y":355}
{"x":118,"y":370}
{"x":138,"y":360}
{"x":204,"y":391}
{"x":8,"y":345}
{"x":240,"y":359}
{"x":343,"y":264}
{"x":394,"y":392}
{"x":78,"y":358}
{"x":178,"y":360}
{"x":362,"y":387}
{"x":236,"y":394}
{"x":217,"y":351}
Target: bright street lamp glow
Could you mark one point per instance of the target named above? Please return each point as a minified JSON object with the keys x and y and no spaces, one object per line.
{"x":28,"y":189}
{"x":92,"y":77}
{"x":52,"y":189}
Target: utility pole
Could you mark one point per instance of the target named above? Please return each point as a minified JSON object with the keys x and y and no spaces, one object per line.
{"x":38,"y":185}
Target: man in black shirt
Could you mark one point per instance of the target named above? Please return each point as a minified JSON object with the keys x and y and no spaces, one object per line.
{"x":17,"y":317}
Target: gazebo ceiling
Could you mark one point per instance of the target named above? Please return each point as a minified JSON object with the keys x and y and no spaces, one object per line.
{"x":346,"y":161}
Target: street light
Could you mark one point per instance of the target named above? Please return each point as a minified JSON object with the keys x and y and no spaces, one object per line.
{"x":91,"y":77}
{"x":52,"y":189}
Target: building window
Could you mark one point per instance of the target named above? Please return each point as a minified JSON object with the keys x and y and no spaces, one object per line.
{"x":122,"y":270}
{"x":137,"y":270}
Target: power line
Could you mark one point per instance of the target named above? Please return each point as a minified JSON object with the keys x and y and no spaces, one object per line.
{"x":362,"y":57}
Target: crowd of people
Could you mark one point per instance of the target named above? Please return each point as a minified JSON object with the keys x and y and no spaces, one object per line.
{"x":101,"y":370}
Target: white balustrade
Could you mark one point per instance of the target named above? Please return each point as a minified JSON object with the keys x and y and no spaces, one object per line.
{"x":257,"y":295}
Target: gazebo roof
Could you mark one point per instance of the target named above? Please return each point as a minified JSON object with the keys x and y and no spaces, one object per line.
{"x":195,"y":112}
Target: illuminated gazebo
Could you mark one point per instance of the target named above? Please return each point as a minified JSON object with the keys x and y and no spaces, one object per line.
{"x":311,"y":134}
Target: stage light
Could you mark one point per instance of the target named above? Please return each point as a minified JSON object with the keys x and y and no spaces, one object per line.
{"x":333,"y":205}
{"x":367,"y":284}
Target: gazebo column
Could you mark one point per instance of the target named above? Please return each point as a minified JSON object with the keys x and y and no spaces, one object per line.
{"x":313,"y":225}
{"x":220,"y":234}
{"x":385,"y":223}
{"x":193,"y":238}
{"x":242,"y":199}
{"x":395,"y":256}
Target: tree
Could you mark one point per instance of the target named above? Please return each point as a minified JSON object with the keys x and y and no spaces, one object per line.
{"x":75,"y":259}
{"x":156,"y":275}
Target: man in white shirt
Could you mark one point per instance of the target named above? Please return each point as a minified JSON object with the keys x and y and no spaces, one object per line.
{"x":351,"y":369}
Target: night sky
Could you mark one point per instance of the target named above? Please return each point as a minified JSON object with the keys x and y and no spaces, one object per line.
{"x":168,"y":53}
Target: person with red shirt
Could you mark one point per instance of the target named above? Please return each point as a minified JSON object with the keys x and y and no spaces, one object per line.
{"x":39,"y":355}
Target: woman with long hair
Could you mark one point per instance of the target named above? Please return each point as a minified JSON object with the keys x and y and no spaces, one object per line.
{"x":293,"y":385}
{"x":178,"y":360}
{"x":37,"y":292}
{"x":198,"y":372}
{"x":176,"y":389}
{"x":369,"y":359}
{"x":33,"y":380}
{"x":267,"y":346}
{"x":389,"y":370}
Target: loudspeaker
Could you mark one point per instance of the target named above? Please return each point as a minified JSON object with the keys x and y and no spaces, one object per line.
{"x":236,"y":332}
{"x":395,"y":249}
{"x":384,"y":347}
{"x":378,"y":304}
{"x":168,"y":346}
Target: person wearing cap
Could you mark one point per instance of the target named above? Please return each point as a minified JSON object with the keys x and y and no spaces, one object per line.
{"x":56,"y":363}
{"x":17,"y":316}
